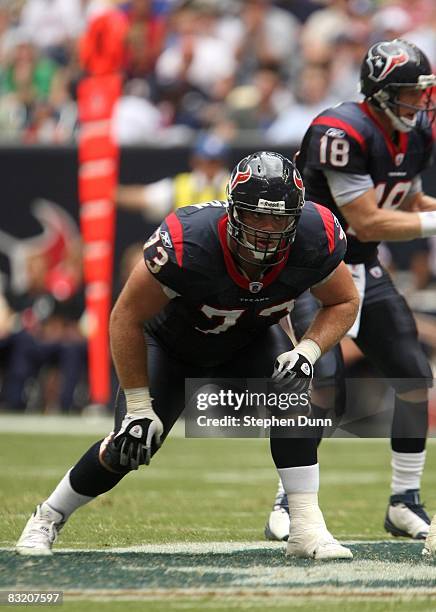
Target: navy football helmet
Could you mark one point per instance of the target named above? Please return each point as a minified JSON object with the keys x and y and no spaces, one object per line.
{"x":264,"y":183}
{"x":389,"y":66}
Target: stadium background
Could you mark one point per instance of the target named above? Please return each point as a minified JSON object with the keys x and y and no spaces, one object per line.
{"x":253,"y":103}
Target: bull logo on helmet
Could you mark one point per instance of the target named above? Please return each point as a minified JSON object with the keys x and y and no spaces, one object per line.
{"x":240,"y":176}
{"x":386,"y":58}
{"x":298,"y":181}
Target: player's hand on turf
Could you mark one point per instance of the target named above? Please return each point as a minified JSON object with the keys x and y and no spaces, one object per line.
{"x":293,"y":370}
{"x":135,"y":439}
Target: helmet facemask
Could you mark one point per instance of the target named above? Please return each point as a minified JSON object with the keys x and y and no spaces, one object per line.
{"x":266,"y":247}
{"x":388,"y":100}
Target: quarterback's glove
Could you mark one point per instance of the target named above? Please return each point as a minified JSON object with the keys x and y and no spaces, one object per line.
{"x":294,"y":370}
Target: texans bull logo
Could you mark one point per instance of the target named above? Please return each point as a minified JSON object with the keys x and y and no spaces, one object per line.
{"x":298,"y":181}
{"x":390,"y":56}
{"x":240,"y":176}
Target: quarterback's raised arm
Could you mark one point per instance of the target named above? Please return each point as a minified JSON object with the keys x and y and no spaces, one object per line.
{"x":141,"y":298}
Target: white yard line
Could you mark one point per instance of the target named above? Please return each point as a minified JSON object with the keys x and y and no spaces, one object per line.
{"x":202,"y":548}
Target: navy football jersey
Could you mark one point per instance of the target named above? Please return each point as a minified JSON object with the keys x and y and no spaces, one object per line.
{"x":347,"y":138}
{"x":215,"y":310}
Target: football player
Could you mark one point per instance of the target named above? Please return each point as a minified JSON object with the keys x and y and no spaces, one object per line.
{"x":215,"y":283}
{"x":363,"y":161}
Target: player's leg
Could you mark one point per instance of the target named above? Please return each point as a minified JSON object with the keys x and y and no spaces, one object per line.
{"x":388,"y":337}
{"x":327,"y":395}
{"x":295,"y":459}
{"x":89,"y":478}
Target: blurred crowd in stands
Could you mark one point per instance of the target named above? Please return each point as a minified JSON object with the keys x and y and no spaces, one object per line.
{"x":265,"y":66}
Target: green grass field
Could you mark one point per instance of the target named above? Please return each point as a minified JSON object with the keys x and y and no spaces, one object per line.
{"x":191,"y":531}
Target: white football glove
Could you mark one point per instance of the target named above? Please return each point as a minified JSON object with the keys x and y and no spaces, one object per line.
{"x":135,"y":438}
{"x":294,"y":370}
{"x":139,"y":434}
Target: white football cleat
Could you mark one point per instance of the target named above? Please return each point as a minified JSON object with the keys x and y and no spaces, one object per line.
{"x":277,"y":526}
{"x":319,"y":545}
{"x":40,"y":532}
{"x":430,"y":542}
{"x":406,"y":516}
{"x":310,"y":538}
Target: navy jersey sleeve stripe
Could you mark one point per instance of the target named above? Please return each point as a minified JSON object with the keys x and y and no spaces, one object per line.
{"x":343,"y":125}
{"x":175,"y":230}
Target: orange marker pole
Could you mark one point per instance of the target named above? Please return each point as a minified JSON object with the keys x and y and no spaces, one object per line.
{"x":101,"y":52}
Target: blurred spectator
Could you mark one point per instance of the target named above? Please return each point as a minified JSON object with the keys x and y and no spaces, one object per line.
{"x":424,"y":36}
{"x":27,"y":74}
{"x":256,"y":106}
{"x":324,"y":26}
{"x":313,"y":95}
{"x":135,"y":118}
{"x":195,"y":62}
{"x":269,"y":35}
{"x":144,"y":40}
{"x":348,"y":51}
{"x":390,"y":22}
{"x":206,"y":181}
{"x":53,"y":25}
{"x":301,"y":9}
{"x":47,"y":333}
{"x":418,"y":10}
{"x":9,"y":20}
{"x":36,"y":96}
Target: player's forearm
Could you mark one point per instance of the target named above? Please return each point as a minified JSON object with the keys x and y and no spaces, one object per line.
{"x":389,"y":225}
{"x":332,"y":323}
{"x":129,"y":350}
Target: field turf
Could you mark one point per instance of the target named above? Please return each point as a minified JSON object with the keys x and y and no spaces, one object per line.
{"x":186,"y":533}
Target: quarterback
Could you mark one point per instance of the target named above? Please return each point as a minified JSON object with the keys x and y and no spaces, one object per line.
{"x":363,"y":161}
